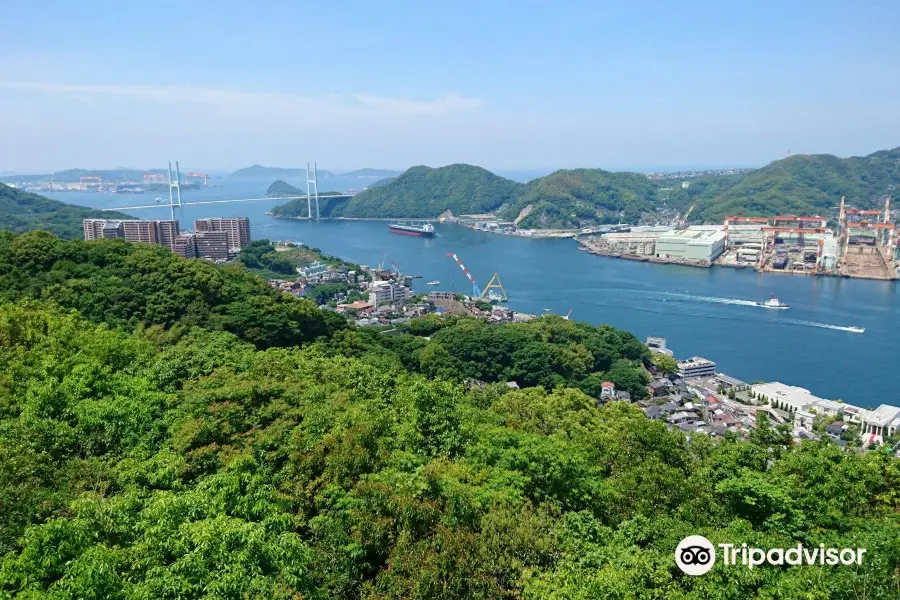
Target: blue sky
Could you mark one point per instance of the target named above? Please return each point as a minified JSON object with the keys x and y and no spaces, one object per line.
{"x":506,"y":85}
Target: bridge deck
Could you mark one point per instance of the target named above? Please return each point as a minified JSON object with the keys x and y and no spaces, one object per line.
{"x":167,"y":204}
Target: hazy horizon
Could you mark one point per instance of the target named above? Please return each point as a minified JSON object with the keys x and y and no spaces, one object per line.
{"x":620,"y":86}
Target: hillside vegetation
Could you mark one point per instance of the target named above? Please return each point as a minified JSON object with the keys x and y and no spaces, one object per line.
{"x":566,"y":199}
{"x":801,"y":184}
{"x":582,"y":197}
{"x":427,"y":192}
{"x":132,"y":285}
{"x":190,"y":464}
{"x":23,"y":211}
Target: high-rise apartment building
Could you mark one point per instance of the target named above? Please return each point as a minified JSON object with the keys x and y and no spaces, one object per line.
{"x":216,"y":239}
{"x":237,"y":230}
{"x":212,"y":245}
{"x":141,"y":231}
{"x":185,"y":245}
{"x":166,"y":232}
{"x":98,"y":229}
{"x":161,"y":232}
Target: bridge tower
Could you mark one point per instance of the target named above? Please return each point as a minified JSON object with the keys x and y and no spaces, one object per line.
{"x":313,"y":191}
{"x":174,"y":186}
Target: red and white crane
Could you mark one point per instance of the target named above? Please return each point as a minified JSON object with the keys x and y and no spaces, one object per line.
{"x":476,"y":291}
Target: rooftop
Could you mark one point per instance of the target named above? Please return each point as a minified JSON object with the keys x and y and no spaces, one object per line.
{"x":795,"y":396}
{"x":695,"y":361}
{"x":881,"y":416}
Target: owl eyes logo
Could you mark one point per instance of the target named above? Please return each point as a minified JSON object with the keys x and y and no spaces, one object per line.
{"x":695,"y":555}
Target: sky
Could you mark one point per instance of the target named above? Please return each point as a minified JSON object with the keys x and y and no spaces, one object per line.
{"x":503,"y":84}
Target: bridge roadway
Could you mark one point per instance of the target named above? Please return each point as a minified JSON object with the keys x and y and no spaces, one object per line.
{"x":167,"y":204}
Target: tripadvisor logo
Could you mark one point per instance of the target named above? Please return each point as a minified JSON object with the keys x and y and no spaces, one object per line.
{"x":696,"y":555}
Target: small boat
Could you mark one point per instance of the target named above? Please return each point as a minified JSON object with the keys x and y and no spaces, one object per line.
{"x":435,"y":282}
{"x":158,"y":199}
{"x":495,"y":297}
{"x":773,"y":303}
{"x":546,"y":309}
{"x":855,"y":329}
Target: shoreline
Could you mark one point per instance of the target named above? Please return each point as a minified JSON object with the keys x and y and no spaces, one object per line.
{"x":533,"y":233}
{"x":738,"y":267}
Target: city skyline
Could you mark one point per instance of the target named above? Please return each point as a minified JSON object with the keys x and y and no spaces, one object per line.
{"x":619,"y":86}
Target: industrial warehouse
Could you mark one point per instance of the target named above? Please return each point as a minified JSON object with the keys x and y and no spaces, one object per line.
{"x":862,"y":244}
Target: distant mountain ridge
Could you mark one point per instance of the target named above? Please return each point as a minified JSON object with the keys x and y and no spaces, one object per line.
{"x":22,"y":211}
{"x":261,"y":172}
{"x":75,"y":175}
{"x":380,"y":173}
{"x":584,"y":197}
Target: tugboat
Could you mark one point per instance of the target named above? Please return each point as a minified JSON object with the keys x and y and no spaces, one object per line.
{"x":773,"y":303}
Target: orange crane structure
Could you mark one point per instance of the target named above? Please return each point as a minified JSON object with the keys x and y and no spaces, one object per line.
{"x":156,"y":178}
{"x":92,"y":181}
{"x":202,"y":176}
{"x":854,"y":225}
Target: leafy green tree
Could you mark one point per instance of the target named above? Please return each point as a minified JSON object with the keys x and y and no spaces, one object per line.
{"x":665,"y":363}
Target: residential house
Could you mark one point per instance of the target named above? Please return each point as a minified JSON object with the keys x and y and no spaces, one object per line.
{"x":659,"y":387}
{"x":607,"y":391}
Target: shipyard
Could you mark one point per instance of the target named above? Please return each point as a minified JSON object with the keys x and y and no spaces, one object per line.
{"x":859,"y":244}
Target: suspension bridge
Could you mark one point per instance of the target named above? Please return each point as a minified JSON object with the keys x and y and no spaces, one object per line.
{"x":175,"y":199}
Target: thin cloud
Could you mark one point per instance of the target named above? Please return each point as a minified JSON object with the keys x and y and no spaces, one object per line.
{"x":360,"y":106}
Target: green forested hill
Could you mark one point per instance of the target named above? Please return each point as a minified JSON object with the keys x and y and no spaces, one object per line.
{"x":798,"y":184}
{"x":23,"y":211}
{"x":566,"y":199}
{"x":136,"y":285}
{"x":575,"y":198}
{"x":427,"y":192}
{"x":151,"y":465}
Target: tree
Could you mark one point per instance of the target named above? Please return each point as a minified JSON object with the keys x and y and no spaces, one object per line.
{"x":665,"y":363}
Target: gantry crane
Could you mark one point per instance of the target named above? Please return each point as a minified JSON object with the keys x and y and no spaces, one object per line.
{"x":490,"y":292}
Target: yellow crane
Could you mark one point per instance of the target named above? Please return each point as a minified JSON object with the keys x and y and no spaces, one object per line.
{"x":490,"y":292}
{"x":686,"y":215}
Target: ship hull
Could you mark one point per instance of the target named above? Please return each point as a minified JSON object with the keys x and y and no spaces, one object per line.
{"x":412,"y":232}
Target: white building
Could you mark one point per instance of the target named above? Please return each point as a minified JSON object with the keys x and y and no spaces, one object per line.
{"x":691,"y":245}
{"x":658,"y":345}
{"x":796,"y":399}
{"x":878,"y":424}
{"x":316,"y":268}
{"x":696,"y":367}
{"x":387,"y":291}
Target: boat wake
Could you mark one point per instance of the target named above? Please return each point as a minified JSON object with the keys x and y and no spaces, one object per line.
{"x":738,"y":302}
{"x":713,"y":299}
{"x":826,"y":326}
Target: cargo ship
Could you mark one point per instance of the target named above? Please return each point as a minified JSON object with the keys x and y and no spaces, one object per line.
{"x":421,"y":230}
